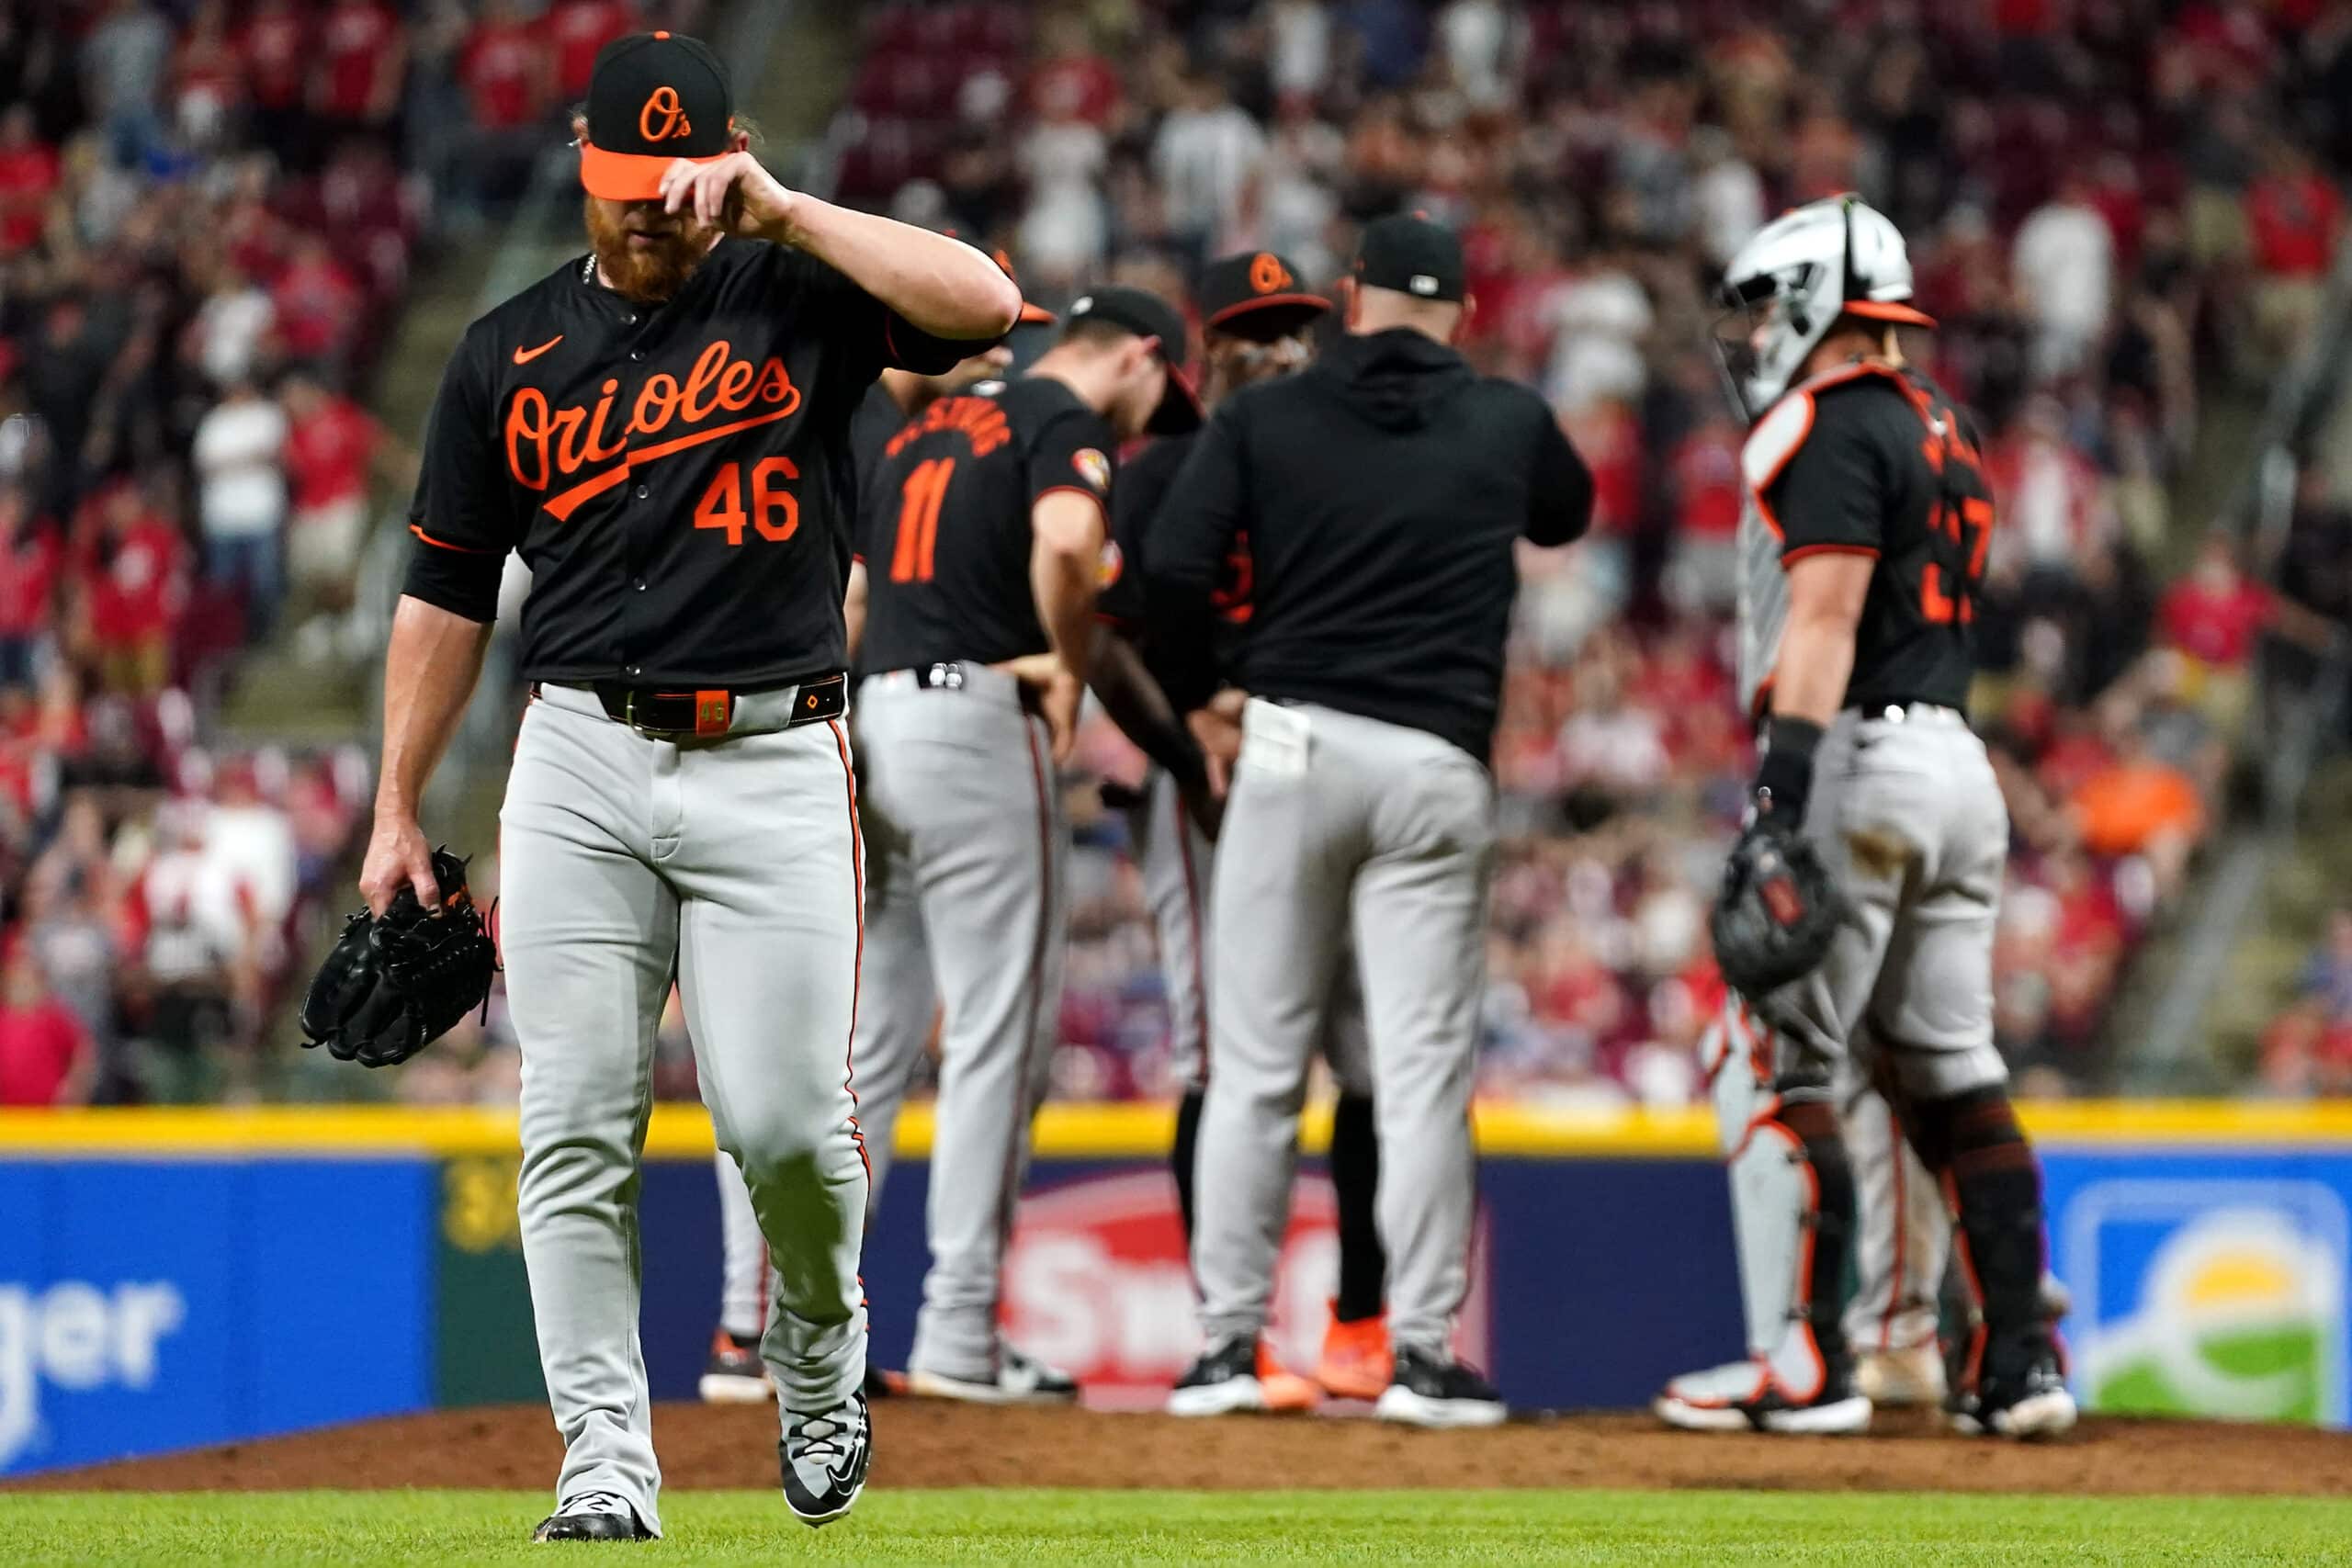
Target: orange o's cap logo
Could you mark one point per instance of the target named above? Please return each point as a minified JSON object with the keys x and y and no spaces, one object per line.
{"x":663,"y":119}
{"x":1267,"y":274}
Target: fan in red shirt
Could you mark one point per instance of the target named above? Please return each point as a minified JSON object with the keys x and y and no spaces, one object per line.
{"x":2214,"y":613}
{"x":362,"y":55}
{"x":276,"y":52}
{"x":580,"y":28}
{"x":208,"y":74}
{"x":318,"y":302}
{"x":507,"y":69}
{"x":1072,"y":82}
{"x":133,"y":585}
{"x":28,"y":558}
{"x":27,"y":179}
{"x":46,"y":1056}
{"x":331,"y":444}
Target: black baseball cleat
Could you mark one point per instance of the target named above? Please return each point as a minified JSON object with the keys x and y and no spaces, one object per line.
{"x":2021,"y":1394}
{"x":1426,"y":1390}
{"x":600,"y":1516}
{"x":824,"y":1455}
{"x":1020,"y":1379}
{"x":1221,"y":1382}
{"x":1744,"y":1396}
{"x":734,"y":1374}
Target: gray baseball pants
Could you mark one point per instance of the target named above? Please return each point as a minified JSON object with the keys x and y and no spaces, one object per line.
{"x":1176,"y":863}
{"x":1339,"y":826}
{"x":737,"y":859}
{"x":1908,"y":817}
{"x":968,"y":909}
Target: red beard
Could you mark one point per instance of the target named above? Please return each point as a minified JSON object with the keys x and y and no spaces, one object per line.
{"x":648,"y":273}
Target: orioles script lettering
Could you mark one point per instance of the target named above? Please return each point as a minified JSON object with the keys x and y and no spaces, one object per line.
{"x":545,"y":443}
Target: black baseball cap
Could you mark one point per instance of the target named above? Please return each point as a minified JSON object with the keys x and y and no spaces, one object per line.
{"x":1146,"y":314}
{"x":1256,"y":295}
{"x":652,"y":97}
{"x":1409,"y":254}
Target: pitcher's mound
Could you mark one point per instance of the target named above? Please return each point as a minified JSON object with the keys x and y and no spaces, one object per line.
{"x":921,"y":1442}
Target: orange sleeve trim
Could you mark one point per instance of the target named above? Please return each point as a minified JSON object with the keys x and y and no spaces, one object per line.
{"x":1802,"y":551}
{"x":446,"y":545}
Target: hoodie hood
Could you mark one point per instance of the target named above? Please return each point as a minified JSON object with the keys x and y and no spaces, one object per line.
{"x":1397,"y":380}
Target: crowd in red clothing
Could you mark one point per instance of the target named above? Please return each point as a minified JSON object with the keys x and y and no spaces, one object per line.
{"x":2113,"y":209}
{"x":209,"y":211}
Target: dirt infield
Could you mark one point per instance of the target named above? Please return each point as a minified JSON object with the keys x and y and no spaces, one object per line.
{"x":925,"y":1443}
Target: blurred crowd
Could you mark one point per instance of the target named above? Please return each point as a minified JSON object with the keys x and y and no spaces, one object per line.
{"x":2115,"y":208}
{"x":209,"y":216}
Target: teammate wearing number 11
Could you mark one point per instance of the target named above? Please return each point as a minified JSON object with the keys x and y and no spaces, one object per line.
{"x":980,"y":545}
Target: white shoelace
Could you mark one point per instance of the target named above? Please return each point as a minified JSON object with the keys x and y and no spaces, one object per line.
{"x":824,"y":1439}
{"x":599,"y":1503}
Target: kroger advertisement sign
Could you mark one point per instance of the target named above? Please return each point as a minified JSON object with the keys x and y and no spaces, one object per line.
{"x":2207,"y":1284}
{"x":153,"y":1306}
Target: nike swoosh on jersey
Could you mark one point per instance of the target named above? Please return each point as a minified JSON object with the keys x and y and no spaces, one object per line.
{"x":525,"y":355}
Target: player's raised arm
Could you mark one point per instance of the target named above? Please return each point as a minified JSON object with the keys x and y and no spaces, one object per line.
{"x":940,"y":286}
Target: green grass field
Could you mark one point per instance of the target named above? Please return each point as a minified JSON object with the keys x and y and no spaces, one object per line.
{"x":228,"y":1530}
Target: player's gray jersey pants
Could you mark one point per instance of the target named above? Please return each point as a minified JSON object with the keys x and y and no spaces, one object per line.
{"x":1338,"y":825}
{"x":1908,"y":816}
{"x":1176,"y":863}
{"x":737,"y":860}
{"x":966,"y":908}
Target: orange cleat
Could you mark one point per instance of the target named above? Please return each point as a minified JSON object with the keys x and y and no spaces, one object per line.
{"x":1356,"y":1363}
{"x":1285,"y":1392}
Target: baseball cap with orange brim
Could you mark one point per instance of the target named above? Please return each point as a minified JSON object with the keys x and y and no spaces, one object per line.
{"x":1893,"y":310}
{"x":1032,"y":315}
{"x":1256,"y":295}
{"x":653,"y":98}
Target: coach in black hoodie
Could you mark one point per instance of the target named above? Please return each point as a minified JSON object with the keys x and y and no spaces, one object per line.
{"x":1381,"y":493}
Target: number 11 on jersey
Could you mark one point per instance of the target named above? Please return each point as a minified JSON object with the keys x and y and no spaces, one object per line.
{"x":927,"y":487}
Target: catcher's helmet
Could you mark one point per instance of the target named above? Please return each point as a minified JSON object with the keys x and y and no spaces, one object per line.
{"x":1786,"y":288}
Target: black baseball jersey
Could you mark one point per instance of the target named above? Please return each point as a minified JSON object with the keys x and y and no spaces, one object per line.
{"x":676,"y":476}
{"x":1383,"y":490}
{"x":945,"y":530}
{"x":1145,"y":481}
{"x":1870,"y":461}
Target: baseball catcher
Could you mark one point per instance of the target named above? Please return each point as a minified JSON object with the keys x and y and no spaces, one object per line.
{"x":1858,"y":910}
{"x":396,"y":982}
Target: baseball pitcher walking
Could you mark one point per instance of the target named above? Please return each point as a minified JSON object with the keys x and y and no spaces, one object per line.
{"x":1859,"y":906}
{"x":1383,"y":490}
{"x":981,"y":543}
{"x":661,"y":428}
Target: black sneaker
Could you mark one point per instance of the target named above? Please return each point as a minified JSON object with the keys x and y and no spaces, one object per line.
{"x":1020,"y":1380}
{"x":600,"y":1516}
{"x":2021,"y":1391}
{"x":1223,"y":1381}
{"x":1425,"y":1390}
{"x":824,"y":1456}
{"x":734,"y":1374}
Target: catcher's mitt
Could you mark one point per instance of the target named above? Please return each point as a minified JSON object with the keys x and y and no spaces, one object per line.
{"x":397,"y":982}
{"x":1778,"y":909}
